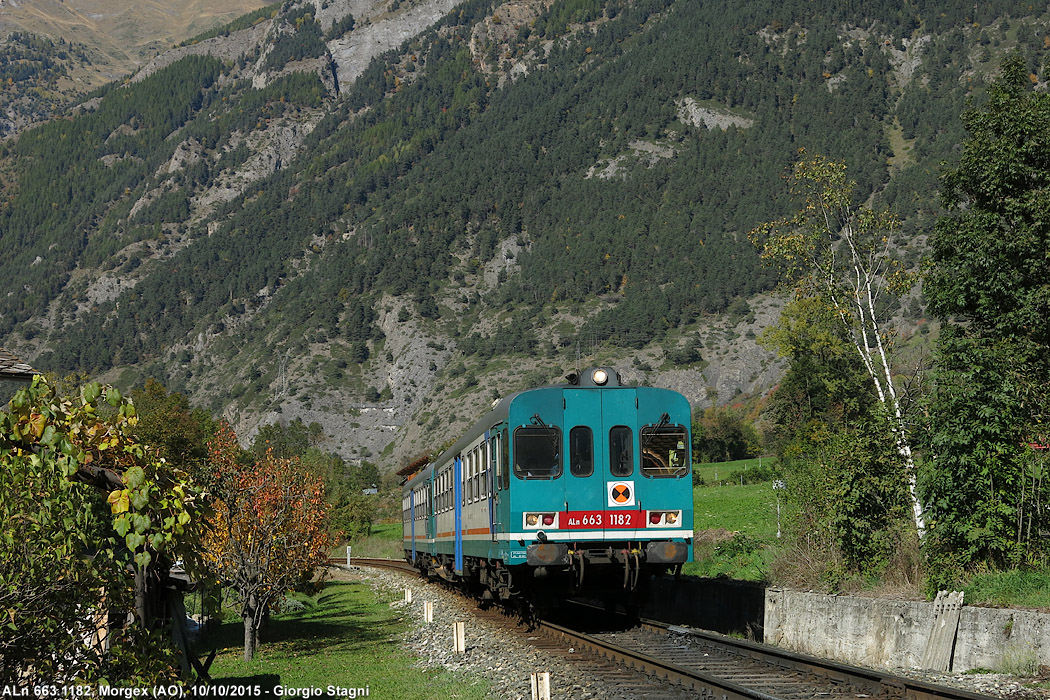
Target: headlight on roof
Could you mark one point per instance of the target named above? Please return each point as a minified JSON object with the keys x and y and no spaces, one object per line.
{"x":600,"y":376}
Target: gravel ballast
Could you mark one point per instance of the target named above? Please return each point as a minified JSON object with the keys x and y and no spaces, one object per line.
{"x":507,"y":658}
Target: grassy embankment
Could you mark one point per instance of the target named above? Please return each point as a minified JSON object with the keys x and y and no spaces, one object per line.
{"x":735,"y":521}
{"x":736,"y":537}
{"x":385,"y":542}
{"x":346,"y":636}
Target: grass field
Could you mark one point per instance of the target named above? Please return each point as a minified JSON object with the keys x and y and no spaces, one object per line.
{"x":1023,"y":588}
{"x":724,"y":473}
{"x":736,"y":523}
{"x":385,"y":541}
{"x":344,"y":636}
{"x":750,"y":509}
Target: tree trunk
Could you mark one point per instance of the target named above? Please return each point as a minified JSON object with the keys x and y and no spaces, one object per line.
{"x":862,"y":324}
{"x":251,"y":628}
{"x":140,"y":595}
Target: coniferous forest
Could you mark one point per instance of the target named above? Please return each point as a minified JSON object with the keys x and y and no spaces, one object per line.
{"x":511,"y":189}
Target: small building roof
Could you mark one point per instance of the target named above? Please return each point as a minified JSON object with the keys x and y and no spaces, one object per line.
{"x":13,"y":368}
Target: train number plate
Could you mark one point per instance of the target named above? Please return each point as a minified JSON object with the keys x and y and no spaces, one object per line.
{"x":590,"y":519}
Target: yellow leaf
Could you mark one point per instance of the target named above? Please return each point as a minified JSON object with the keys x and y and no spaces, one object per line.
{"x":119,"y":501}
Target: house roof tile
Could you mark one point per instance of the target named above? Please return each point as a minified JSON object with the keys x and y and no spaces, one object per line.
{"x":13,"y":368}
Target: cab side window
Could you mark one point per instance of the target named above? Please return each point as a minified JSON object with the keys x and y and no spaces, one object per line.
{"x":664,"y":452}
{"x":537,"y":453}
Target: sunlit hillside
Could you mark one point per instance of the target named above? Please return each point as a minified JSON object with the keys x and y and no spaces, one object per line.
{"x":120,"y":36}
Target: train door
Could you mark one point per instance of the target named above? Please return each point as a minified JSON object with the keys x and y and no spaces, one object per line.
{"x":619,"y":449}
{"x":602,"y":448}
{"x":412,"y":522}
{"x":585,"y":481}
{"x":431,"y":511}
{"x":457,"y":498}
{"x":495,"y":477}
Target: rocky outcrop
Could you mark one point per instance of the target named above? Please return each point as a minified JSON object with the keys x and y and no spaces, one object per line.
{"x":692,"y":113}
{"x":224,"y":48}
{"x":378,"y":31}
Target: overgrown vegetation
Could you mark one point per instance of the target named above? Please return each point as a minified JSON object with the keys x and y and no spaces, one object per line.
{"x":93,"y":520}
{"x":986,"y":480}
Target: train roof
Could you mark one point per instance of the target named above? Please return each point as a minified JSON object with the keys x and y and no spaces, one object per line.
{"x":594,"y":377}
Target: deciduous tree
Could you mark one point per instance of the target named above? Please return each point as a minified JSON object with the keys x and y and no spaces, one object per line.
{"x":268,"y":531}
{"x":721,"y":435}
{"x":840,"y":254}
{"x":845,"y":481}
{"x":989,"y":280}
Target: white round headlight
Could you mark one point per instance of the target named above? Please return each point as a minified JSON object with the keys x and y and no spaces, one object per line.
{"x":600,"y":376}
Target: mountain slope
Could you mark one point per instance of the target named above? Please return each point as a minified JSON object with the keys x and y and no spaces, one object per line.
{"x":342,"y":215}
{"x":120,"y":36}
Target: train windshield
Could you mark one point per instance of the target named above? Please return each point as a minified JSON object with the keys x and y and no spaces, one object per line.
{"x":536,"y":452}
{"x":664,"y":450}
{"x":621,"y":451}
{"x":581,"y":451}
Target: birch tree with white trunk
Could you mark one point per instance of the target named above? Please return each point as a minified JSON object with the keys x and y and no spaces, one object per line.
{"x":841,"y":254}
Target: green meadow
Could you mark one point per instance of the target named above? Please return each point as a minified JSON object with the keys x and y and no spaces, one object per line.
{"x":735,"y":519}
{"x":346,"y":636}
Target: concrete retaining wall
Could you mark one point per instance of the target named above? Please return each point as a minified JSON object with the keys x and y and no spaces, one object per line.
{"x":893,"y":633}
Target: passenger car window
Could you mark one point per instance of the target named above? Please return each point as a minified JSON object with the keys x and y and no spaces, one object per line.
{"x":664,"y":450}
{"x":581,"y":451}
{"x":537,"y":453}
{"x":621,"y":451}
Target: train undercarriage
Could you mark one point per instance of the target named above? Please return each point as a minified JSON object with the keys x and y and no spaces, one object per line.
{"x":616,"y":572}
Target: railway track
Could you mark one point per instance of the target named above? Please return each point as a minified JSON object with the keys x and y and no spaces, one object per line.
{"x":394,"y":564}
{"x":658,"y":660}
{"x":722,"y":667}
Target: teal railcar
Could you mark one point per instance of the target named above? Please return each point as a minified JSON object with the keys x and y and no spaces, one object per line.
{"x":578,"y":484}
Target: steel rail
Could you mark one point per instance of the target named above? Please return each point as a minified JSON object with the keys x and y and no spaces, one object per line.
{"x":707,"y":685}
{"x":395,"y":564}
{"x":869,"y":681}
{"x":864,"y":681}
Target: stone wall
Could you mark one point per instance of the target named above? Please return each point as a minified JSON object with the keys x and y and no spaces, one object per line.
{"x":893,"y":633}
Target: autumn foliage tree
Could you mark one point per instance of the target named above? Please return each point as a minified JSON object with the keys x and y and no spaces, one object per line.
{"x":268,"y":530}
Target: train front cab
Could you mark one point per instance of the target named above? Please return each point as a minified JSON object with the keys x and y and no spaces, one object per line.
{"x":601,"y":486}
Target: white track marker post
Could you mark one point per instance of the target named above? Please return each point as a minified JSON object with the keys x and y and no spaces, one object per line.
{"x":541,"y":686}
{"x":459,"y":640}
{"x":408,"y":595}
{"x":428,"y":611}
